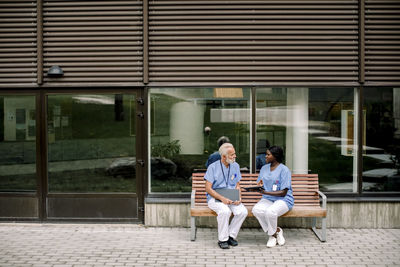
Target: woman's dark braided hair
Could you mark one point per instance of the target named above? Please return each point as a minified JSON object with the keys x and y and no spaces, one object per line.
{"x":277,"y":152}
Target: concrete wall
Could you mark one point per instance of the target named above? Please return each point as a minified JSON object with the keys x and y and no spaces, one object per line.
{"x":340,"y":215}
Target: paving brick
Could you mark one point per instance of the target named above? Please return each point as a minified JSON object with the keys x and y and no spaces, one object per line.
{"x":34,"y":244}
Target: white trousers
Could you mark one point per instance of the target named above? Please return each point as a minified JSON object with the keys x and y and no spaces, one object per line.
{"x":267,"y":213}
{"x":224,"y":213}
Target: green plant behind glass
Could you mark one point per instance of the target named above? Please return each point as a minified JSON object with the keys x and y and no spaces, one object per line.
{"x":167,"y":150}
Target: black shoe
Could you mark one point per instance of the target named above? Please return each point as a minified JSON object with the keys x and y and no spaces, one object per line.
{"x":232,"y":242}
{"x":223,"y":244}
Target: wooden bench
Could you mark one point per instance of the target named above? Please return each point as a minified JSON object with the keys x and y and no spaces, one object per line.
{"x":305,"y":191}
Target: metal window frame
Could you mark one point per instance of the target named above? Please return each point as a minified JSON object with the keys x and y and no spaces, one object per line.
{"x":42,"y":88}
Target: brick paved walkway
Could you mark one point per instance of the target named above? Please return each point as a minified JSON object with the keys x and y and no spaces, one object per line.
{"x":34,"y":244}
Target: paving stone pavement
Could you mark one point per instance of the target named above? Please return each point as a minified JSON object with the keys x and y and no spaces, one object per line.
{"x":58,"y":244}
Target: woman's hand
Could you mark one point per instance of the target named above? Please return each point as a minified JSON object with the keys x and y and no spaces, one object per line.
{"x":261,"y":190}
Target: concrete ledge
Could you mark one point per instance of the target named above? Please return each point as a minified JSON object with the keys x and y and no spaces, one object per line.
{"x":340,"y":215}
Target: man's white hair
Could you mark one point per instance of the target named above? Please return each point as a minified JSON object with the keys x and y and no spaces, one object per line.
{"x":223,"y":149}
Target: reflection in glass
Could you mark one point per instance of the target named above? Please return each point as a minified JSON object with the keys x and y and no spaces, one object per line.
{"x":315,"y":127}
{"x":271,"y":120}
{"x":331,"y":145}
{"x":91,"y":143}
{"x":381,"y":161}
{"x":185,"y":126}
{"x":17,"y":143}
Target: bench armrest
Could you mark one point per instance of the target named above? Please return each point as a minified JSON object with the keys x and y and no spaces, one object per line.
{"x":323,"y":199}
{"x":192,"y":198}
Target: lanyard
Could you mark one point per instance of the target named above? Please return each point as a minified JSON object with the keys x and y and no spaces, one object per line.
{"x":223,"y":173}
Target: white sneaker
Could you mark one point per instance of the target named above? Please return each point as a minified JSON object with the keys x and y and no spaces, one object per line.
{"x":280,"y":238}
{"x":271,"y":242}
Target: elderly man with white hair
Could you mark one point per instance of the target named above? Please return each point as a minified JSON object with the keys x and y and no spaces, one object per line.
{"x":225,"y":173}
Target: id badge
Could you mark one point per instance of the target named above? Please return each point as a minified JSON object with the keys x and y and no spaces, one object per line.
{"x":274,"y":187}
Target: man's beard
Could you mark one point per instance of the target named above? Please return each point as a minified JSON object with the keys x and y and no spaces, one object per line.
{"x":230,"y":161}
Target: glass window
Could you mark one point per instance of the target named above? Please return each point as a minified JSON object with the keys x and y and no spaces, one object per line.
{"x":17,"y":143}
{"x":185,"y":124}
{"x":331,"y":148}
{"x":381,"y":160}
{"x":271,"y":121}
{"x":315,"y":128}
{"x":91,"y":143}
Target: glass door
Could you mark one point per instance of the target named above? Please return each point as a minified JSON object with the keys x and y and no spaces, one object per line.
{"x":93,"y":156}
{"x":18,"y":157}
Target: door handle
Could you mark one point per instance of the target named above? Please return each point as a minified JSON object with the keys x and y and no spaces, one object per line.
{"x":141,"y":162}
{"x":140,"y":101}
{"x":140,"y":115}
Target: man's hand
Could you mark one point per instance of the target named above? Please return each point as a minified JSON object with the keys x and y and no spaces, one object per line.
{"x":226,"y":201}
{"x":237,"y":202}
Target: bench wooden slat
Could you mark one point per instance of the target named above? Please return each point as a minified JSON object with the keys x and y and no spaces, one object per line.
{"x":295,"y":212}
{"x":304,"y":187}
{"x":251,"y":204}
{"x":310,"y":195}
{"x":305,"y":191}
{"x":247,"y":175}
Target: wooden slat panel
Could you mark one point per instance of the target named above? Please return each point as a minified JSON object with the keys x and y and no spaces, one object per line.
{"x":382,"y":42}
{"x":18,"y":43}
{"x":302,"y":211}
{"x":94,"y":41}
{"x":253,"y":42}
{"x":304,"y":189}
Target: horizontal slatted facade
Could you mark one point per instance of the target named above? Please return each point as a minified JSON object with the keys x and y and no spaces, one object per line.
{"x":95,"y":42}
{"x":200,"y":42}
{"x":382,"y":42}
{"x":18,"y":57}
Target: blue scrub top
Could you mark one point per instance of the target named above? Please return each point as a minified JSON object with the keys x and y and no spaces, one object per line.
{"x":260,"y":161}
{"x":217,"y":174}
{"x":282,"y":177}
{"x":213,"y":158}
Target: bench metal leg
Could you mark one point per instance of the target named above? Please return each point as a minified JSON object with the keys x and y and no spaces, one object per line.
{"x":322,"y":235}
{"x":193,"y":228}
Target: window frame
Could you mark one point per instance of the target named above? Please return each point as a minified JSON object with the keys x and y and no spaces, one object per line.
{"x":359,"y":196}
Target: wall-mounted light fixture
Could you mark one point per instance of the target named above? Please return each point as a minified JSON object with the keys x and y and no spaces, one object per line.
{"x":55,"y":71}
